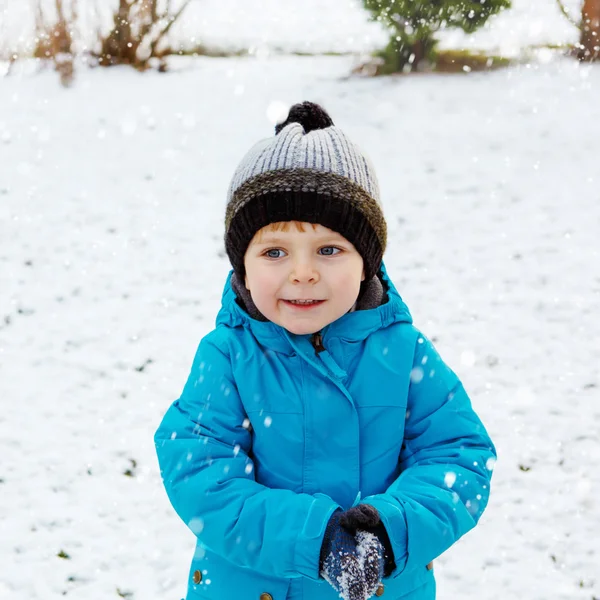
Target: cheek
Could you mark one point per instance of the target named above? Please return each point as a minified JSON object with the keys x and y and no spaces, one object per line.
{"x":253,"y":276}
{"x":349,"y":278}
{"x":349,"y":284}
{"x":261,"y":285}
{"x":258,"y":279}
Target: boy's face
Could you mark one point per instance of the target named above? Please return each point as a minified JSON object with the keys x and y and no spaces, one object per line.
{"x":317,"y":264}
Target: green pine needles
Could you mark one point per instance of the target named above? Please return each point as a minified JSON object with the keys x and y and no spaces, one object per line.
{"x":414,"y":24}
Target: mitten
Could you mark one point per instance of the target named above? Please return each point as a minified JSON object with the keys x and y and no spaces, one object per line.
{"x":371,"y":555}
{"x":340,"y":564}
{"x":365,"y":517}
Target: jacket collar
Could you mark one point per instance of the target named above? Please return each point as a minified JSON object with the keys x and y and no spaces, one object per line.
{"x":353,"y":326}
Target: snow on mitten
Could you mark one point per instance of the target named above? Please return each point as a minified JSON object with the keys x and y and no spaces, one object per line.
{"x":371,"y":555}
{"x":344,"y":572}
{"x":366,"y":517}
{"x":340,"y":564}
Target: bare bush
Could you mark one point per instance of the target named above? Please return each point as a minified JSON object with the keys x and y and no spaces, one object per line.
{"x":138,"y":29}
{"x":55,"y":42}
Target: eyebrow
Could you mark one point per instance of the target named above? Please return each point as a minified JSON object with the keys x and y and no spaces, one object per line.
{"x":278,"y":240}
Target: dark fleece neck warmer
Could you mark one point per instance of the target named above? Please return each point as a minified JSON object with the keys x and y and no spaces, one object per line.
{"x":372,"y":295}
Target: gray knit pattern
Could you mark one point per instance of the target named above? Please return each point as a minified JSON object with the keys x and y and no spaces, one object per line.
{"x":328,"y":150}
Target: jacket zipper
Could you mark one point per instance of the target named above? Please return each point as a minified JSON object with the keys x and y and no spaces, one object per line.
{"x":317,"y":342}
{"x":326,"y":358}
{"x":331,"y":368}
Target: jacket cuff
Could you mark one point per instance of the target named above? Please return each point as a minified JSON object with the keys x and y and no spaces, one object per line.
{"x":310,"y":538}
{"x":392,"y":517}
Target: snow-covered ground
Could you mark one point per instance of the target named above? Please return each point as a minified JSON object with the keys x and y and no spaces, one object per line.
{"x":111,"y":269}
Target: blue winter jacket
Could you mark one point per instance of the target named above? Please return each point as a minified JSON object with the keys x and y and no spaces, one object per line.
{"x":269,"y":438}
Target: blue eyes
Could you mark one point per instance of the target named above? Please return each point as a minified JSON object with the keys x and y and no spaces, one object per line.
{"x":325,"y":251}
{"x":273,"y":253}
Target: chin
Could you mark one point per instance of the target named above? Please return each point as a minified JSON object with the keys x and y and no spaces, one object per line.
{"x":303,"y":329}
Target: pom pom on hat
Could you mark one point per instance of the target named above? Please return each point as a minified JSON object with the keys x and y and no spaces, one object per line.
{"x":310,"y":115}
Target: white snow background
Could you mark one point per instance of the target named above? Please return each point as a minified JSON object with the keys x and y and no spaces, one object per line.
{"x":111,"y":269}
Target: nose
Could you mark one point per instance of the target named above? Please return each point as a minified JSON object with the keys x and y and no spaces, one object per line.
{"x":304,"y":271}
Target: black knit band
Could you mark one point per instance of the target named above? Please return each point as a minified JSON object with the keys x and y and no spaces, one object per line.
{"x":311,"y":207}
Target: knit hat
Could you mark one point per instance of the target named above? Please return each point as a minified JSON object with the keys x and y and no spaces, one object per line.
{"x":311,"y":172}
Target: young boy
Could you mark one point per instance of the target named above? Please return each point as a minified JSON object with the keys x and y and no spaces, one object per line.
{"x":320,"y":447}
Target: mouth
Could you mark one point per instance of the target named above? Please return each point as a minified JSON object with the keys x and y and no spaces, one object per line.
{"x":303,"y":303}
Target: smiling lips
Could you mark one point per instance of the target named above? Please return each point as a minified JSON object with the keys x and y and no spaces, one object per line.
{"x":304,"y":303}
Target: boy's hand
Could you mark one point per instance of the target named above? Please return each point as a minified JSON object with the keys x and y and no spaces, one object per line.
{"x":339,"y":562}
{"x":365,"y":517}
{"x":372,"y":557}
{"x":352,"y":564}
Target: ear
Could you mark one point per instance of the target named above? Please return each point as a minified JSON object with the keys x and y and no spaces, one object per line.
{"x":362,"y":277}
{"x":246,"y":282}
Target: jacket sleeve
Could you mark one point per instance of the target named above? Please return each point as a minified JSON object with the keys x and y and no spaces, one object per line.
{"x":446,"y":464}
{"x":204,"y":451}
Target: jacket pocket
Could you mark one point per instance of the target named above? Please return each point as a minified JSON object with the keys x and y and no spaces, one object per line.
{"x":211,"y":577}
{"x":416,"y":584}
